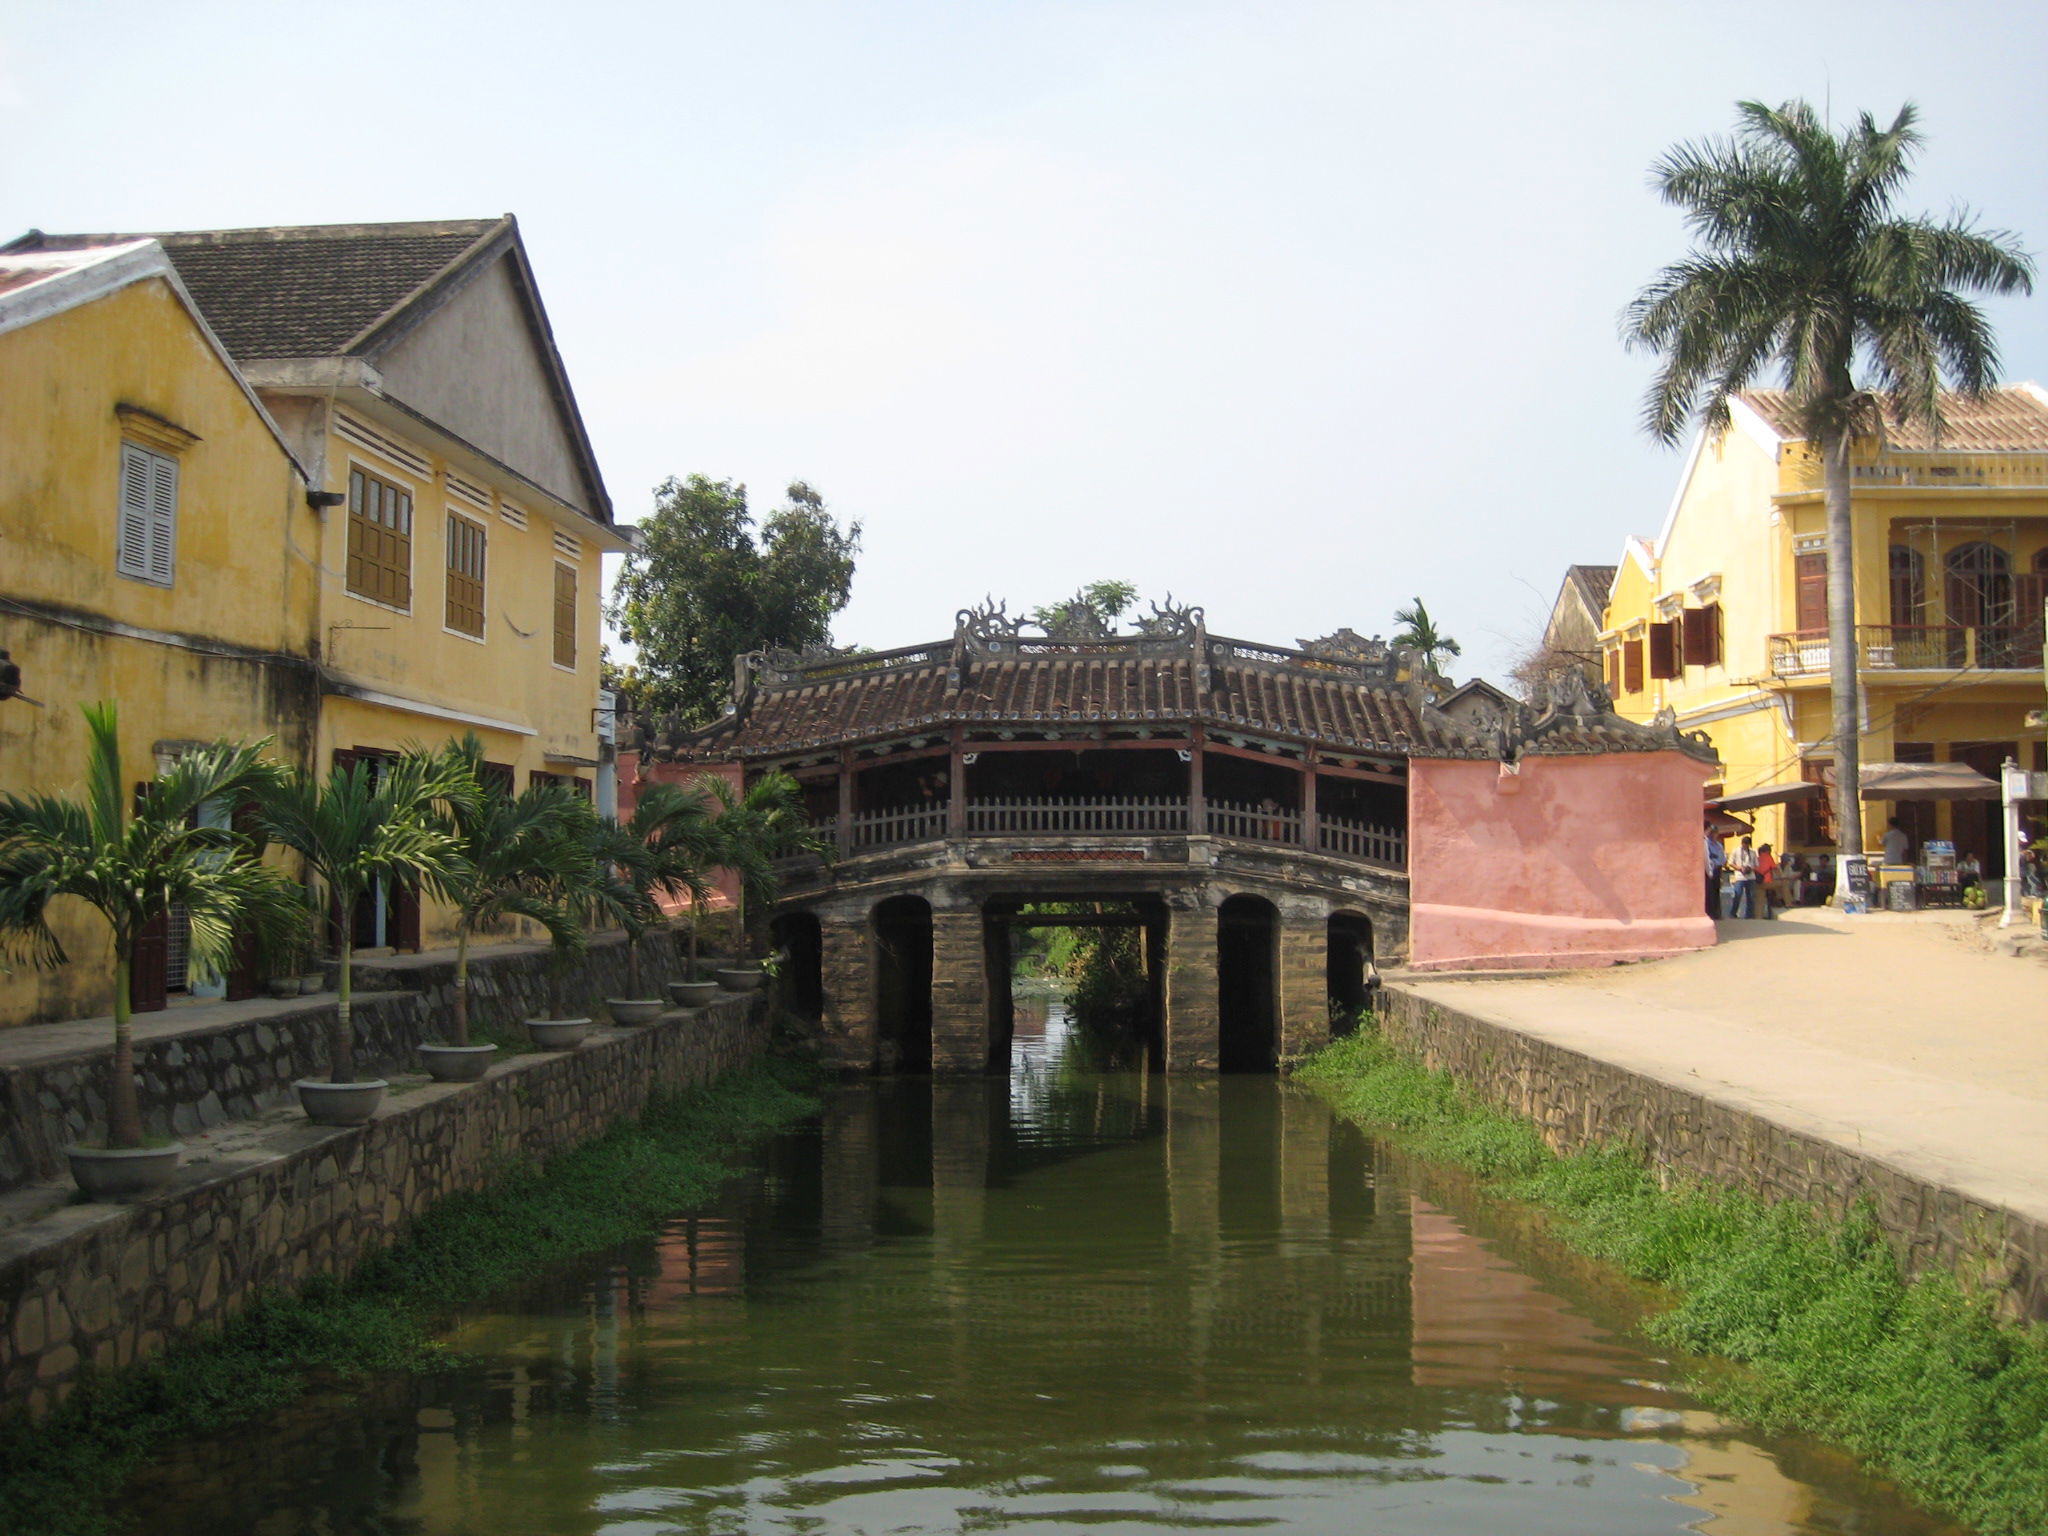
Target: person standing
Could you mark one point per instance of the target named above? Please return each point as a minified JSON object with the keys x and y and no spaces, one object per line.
{"x":1742,"y":872}
{"x":1898,"y":846}
{"x":1766,"y":872}
{"x":1717,"y":857}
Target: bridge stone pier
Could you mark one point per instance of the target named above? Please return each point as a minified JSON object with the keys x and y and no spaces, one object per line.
{"x":1252,"y":809}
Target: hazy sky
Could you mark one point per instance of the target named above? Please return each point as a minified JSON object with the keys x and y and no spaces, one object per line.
{"x":1294,"y":310}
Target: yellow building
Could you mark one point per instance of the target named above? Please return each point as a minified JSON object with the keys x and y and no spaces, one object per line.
{"x":1722,"y":618}
{"x":157,"y":549}
{"x":446,"y":578}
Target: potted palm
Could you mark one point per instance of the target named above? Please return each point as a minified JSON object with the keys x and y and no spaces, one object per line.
{"x":664,"y":848}
{"x":498,"y":865}
{"x":132,"y":862}
{"x":364,"y":824}
{"x":755,"y":828}
{"x":573,"y":878}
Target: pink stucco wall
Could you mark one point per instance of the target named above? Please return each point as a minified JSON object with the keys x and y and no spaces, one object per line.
{"x":1570,"y":861}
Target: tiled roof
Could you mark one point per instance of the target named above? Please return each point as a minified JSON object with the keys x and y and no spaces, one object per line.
{"x":301,"y":292}
{"x":1998,"y":421}
{"x":1084,"y":689}
{"x":1594,"y":583}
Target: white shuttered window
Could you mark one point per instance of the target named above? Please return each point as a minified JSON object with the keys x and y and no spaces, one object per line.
{"x":149,"y":515}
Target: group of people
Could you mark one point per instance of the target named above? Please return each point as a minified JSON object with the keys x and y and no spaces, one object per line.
{"x":1755,"y":879}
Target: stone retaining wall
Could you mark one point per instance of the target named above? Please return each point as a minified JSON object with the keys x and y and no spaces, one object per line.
{"x":105,"y":1285}
{"x":1576,"y":1101}
{"x":235,"y":1069}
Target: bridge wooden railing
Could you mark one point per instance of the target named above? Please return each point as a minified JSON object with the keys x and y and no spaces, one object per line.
{"x":1134,"y":816}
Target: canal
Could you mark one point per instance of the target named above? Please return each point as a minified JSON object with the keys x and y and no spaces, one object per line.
{"x":1068,"y":1301}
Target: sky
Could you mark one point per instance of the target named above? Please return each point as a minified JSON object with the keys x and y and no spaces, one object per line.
{"x":1294,"y":311}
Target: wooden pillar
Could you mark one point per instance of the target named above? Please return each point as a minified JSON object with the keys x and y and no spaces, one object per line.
{"x":1304,"y":981}
{"x":956,"y":803}
{"x":846,"y":801}
{"x":1193,"y":1021}
{"x":1198,"y":818}
{"x":846,"y":971}
{"x":1311,"y":839}
{"x":960,"y":990}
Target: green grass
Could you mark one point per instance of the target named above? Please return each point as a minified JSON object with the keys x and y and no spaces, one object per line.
{"x":1921,"y":1380}
{"x":57,"y":1474}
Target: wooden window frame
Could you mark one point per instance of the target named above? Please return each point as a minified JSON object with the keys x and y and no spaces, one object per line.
{"x":1700,"y":639}
{"x":564,"y":636}
{"x":146,"y":516}
{"x":371,"y":576}
{"x":464,"y":590}
{"x":1810,"y":592}
{"x":1632,"y":666}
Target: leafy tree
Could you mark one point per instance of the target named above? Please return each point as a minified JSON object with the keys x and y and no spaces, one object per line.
{"x":365,"y":823}
{"x":1803,"y":267}
{"x":1106,"y":601}
{"x":704,"y":589}
{"x":132,"y":865}
{"x":1419,"y":633}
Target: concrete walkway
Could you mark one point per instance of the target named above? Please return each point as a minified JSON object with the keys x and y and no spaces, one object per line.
{"x":1910,"y":1038}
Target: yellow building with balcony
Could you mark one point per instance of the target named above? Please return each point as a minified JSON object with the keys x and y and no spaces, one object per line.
{"x":1722,"y":617}
{"x":437,"y":571}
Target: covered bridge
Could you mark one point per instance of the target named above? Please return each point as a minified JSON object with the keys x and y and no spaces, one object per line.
{"x":1276,"y":820}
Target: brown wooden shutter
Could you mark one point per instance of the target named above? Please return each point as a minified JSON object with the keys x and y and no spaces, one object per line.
{"x":1664,"y":650}
{"x":2029,"y":595}
{"x":465,"y":612}
{"x":1702,"y":635}
{"x":565,"y":616}
{"x":379,"y":540}
{"x":149,"y":966}
{"x":1632,"y":666}
{"x":1613,"y":669}
{"x":1810,"y":583}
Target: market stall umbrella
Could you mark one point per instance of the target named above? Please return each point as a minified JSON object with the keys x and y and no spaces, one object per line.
{"x":1926,"y":781}
{"x":1769,"y":794}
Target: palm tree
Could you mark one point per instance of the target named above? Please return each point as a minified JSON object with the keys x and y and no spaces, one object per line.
{"x":366,"y":823}
{"x":1420,"y":635}
{"x":1803,"y":266}
{"x":133,"y":866}
{"x":666,"y":847}
{"x":505,"y":858}
{"x":756,"y":828}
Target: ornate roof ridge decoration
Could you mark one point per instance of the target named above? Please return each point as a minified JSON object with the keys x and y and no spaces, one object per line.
{"x":1567,"y":715}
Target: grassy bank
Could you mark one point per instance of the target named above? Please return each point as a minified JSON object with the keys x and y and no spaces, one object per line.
{"x":1919,"y":1379}
{"x":56,"y":1474}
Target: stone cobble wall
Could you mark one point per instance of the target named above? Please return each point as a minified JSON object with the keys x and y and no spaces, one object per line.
{"x":101,"y":1286}
{"x":1577,"y":1101}
{"x":234,"y":1070}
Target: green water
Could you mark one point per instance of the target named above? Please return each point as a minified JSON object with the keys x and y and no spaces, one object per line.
{"x":1059,"y":1303}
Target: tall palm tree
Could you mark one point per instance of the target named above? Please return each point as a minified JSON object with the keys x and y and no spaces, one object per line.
{"x":505,"y":858}
{"x":1803,"y":267}
{"x":1420,"y":634}
{"x":365,"y":823}
{"x":133,"y":866}
{"x":757,"y":827}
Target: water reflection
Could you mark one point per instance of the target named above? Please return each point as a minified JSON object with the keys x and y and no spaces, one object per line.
{"x":1071,"y":1300}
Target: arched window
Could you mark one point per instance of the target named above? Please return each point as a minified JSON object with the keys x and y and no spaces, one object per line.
{"x":1979,"y":585}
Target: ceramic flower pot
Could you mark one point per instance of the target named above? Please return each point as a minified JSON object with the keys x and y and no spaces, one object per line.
{"x":557,"y":1034}
{"x":635,"y":1010}
{"x":740,"y":978}
{"x":457,"y":1063}
{"x":693,"y":994}
{"x":128,"y":1173}
{"x":282,"y":986}
{"x":340,"y":1103}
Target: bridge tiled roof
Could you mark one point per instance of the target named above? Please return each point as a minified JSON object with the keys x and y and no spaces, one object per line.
{"x":1358,"y":696}
{"x":1088,"y":689}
